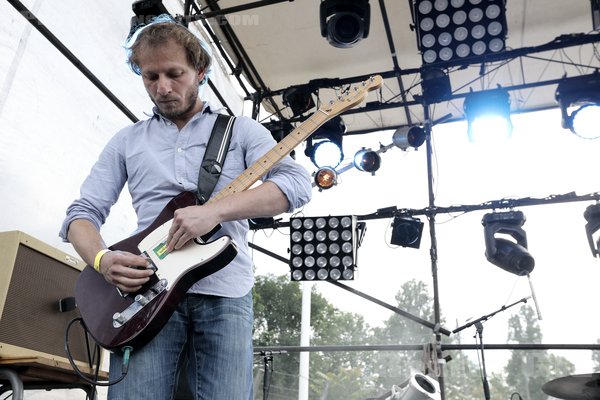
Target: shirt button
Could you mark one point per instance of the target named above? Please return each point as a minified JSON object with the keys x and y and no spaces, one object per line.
{"x":179,"y":149}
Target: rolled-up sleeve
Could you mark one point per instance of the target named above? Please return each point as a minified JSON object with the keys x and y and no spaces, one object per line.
{"x":291,"y":178}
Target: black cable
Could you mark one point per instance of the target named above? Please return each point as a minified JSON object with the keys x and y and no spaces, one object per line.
{"x":124,"y":368}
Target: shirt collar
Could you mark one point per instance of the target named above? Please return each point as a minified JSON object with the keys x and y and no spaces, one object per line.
{"x":206,"y":109}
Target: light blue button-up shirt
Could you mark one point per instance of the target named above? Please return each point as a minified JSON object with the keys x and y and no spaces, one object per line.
{"x":158,"y":162}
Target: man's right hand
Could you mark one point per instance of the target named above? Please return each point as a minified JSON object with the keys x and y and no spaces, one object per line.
{"x":125,"y":270}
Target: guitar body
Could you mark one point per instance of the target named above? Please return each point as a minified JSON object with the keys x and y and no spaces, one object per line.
{"x":98,"y":300}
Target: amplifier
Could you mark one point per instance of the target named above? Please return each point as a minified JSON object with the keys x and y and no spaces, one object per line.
{"x":34,"y":278}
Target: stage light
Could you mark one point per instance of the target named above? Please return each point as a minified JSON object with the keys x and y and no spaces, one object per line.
{"x":592,"y":227}
{"x":367,"y":160}
{"x":324,"y":147}
{"x":345,"y":22}
{"x":452,"y":31}
{"x":407,"y":231}
{"x":323,"y":248}
{"x":509,"y":252}
{"x":279,"y":130}
{"x":325,"y":178}
{"x":417,"y":387}
{"x":488,"y":116}
{"x":145,"y":11}
{"x":299,"y":100}
{"x":409,"y":136}
{"x":435,"y":85}
{"x":579,"y":101}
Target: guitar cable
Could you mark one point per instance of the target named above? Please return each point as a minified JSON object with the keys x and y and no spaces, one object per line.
{"x":95,"y":382}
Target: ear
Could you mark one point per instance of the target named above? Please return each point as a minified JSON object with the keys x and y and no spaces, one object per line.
{"x":201,"y":77}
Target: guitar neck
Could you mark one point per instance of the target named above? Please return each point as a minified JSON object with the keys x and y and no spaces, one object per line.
{"x":257,"y":170}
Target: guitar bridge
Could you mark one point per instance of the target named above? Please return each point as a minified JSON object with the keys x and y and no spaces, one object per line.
{"x":140,"y":301}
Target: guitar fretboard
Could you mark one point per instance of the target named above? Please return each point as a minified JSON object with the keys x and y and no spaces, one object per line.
{"x":257,"y":170}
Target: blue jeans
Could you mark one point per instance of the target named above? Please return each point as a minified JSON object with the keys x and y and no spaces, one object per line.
{"x":216,"y":333}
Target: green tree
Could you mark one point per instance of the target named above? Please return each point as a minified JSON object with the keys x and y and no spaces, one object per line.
{"x":527,"y":371}
{"x":394,"y":367}
{"x":277,"y":309}
{"x":461,"y":375}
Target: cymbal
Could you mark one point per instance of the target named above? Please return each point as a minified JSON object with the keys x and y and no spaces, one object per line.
{"x":574,"y":387}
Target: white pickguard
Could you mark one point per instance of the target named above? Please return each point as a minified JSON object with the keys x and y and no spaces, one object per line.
{"x":173,"y":265}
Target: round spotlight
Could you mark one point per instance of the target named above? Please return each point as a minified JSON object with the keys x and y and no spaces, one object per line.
{"x":343,"y":23}
{"x":429,"y":56}
{"x":489,"y":129}
{"x":446,"y":53}
{"x":585,"y":121}
{"x":427,"y":24}
{"x":428,"y":40}
{"x":406,"y":137}
{"x":488,"y":116}
{"x":367,"y":160}
{"x":495,"y":28}
{"x":441,"y":5}
{"x":322,"y":274}
{"x":478,"y":31}
{"x":425,"y":7}
{"x":335,"y":274}
{"x":445,"y":39}
{"x":327,"y":154}
{"x":496,"y":45}
{"x":476,"y":15}
{"x":442,"y":20}
{"x":478,"y":47}
{"x":457,"y":3}
{"x":348,"y":274}
{"x":459,"y":17}
{"x":325,"y":178}
{"x":407,"y":232}
{"x":493,"y":11}
{"x":463,"y":50}
{"x":461,"y":33}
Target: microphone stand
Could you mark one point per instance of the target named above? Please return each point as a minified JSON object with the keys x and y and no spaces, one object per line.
{"x":486,"y":386}
{"x":268,"y":361}
{"x":479,"y":329}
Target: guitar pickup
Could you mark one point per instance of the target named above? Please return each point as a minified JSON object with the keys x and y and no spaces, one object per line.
{"x":140,"y":301}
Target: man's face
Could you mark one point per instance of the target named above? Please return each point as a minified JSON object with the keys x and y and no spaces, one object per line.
{"x":171,"y":81}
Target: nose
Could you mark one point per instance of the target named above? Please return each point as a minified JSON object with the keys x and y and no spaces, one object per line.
{"x":163,"y":86}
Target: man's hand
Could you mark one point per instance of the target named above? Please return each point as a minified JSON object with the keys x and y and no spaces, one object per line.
{"x":125,"y":270}
{"x":188,"y":223}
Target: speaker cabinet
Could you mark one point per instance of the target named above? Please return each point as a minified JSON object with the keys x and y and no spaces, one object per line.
{"x":34,"y":277}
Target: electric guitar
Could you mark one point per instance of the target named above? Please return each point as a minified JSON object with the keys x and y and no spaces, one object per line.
{"x":116,"y":319}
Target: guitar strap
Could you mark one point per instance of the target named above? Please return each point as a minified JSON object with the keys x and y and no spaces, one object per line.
{"x":214,"y":157}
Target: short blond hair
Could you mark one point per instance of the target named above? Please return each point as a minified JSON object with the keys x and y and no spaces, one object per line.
{"x":159,"y":33}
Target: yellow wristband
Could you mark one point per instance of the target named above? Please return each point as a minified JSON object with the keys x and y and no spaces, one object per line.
{"x":99,"y":258}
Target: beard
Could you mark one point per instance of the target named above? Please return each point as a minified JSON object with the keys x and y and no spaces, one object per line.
{"x":176,"y":110}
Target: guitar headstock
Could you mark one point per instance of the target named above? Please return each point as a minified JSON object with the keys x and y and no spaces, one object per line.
{"x":355,"y":96}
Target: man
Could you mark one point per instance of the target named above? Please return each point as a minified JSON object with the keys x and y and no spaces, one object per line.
{"x":159,"y":158}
